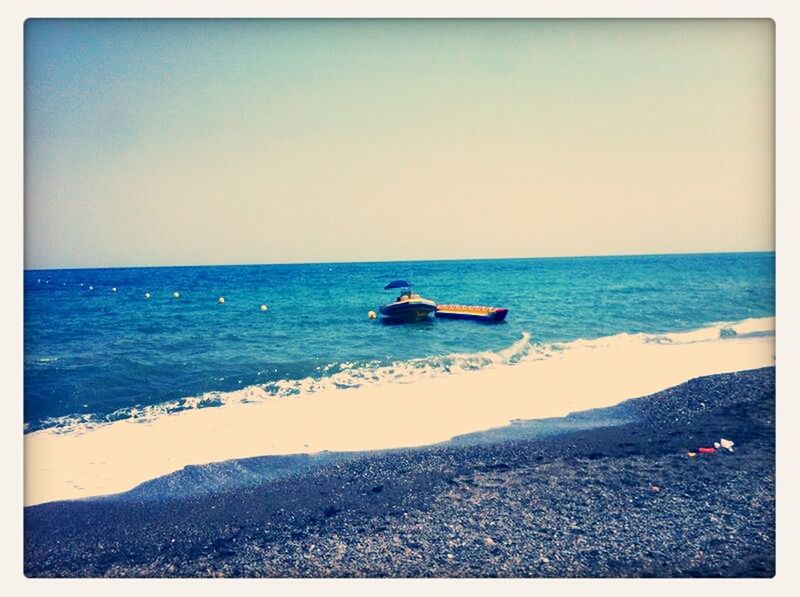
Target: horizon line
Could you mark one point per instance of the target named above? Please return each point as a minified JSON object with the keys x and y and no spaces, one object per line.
{"x":253,"y":264}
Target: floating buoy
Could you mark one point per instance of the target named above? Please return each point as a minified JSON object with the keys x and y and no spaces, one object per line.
{"x":81,"y":284}
{"x":39,"y":280}
{"x":176,"y":295}
{"x":221,"y":300}
{"x":114,"y":289}
{"x":706,"y":450}
{"x":372,"y":315}
{"x":91,"y":287}
{"x":263,"y":307}
{"x":147,"y":295}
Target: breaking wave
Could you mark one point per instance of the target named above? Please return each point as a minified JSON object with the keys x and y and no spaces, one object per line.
{"x":355,"y":375}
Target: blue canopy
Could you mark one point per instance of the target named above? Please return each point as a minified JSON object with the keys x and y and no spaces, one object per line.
{"x":397,"y":284}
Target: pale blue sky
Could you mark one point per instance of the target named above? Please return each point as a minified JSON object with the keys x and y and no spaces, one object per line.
{"x":197,"y":142}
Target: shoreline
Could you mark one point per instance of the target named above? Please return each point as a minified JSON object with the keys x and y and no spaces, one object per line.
{"x":610,"y":501}
{"x":116,"y":457}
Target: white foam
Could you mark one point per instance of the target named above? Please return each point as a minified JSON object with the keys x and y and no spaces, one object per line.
{"x":382,"y":407}
{"x":347,"y":377}
{"x":726,"y":329}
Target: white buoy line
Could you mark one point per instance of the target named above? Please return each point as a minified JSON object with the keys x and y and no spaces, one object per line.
{"x":175,"y":295}
{"x":147,"y":295}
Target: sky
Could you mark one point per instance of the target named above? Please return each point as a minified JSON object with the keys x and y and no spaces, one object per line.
{"x":189,"y":142}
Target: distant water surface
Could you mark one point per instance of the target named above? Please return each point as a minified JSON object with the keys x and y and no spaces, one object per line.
{"x":92,"y":354}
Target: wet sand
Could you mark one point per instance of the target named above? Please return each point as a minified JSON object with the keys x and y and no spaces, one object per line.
{"x":614,"y":501}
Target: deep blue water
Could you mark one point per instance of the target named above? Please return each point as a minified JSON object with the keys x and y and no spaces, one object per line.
{"x":91,"y":352}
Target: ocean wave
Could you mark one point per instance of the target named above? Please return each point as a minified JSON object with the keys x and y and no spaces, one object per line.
{"x":716,"y":331}
{"x":41,"y":362}
{"x":346,"y":376}
{"x":349,"y":375}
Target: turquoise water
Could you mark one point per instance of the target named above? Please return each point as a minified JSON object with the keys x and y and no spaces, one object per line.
{"x":93,"y":355}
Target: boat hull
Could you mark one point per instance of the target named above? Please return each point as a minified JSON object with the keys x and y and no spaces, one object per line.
{"x":411,"y":310}
{"x":473,"y":312}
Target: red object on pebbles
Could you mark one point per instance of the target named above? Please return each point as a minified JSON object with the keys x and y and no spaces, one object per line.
{"x":706,"y":450}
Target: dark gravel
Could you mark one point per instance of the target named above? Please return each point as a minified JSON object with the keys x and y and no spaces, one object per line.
{"x":620,"y":501}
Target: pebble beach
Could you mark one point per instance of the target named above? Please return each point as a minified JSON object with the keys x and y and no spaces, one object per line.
{"x":621,"y":500}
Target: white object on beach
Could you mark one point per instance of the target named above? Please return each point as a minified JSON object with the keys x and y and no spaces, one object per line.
{"x":176,"y":295}
{"x":727,"y":444}
{"x":221,"y":300}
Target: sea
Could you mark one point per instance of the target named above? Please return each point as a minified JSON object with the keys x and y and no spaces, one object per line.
{"x":106,"y":345}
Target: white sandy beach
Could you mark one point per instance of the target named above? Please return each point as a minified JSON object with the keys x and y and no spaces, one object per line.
{"x":117,"y":456}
